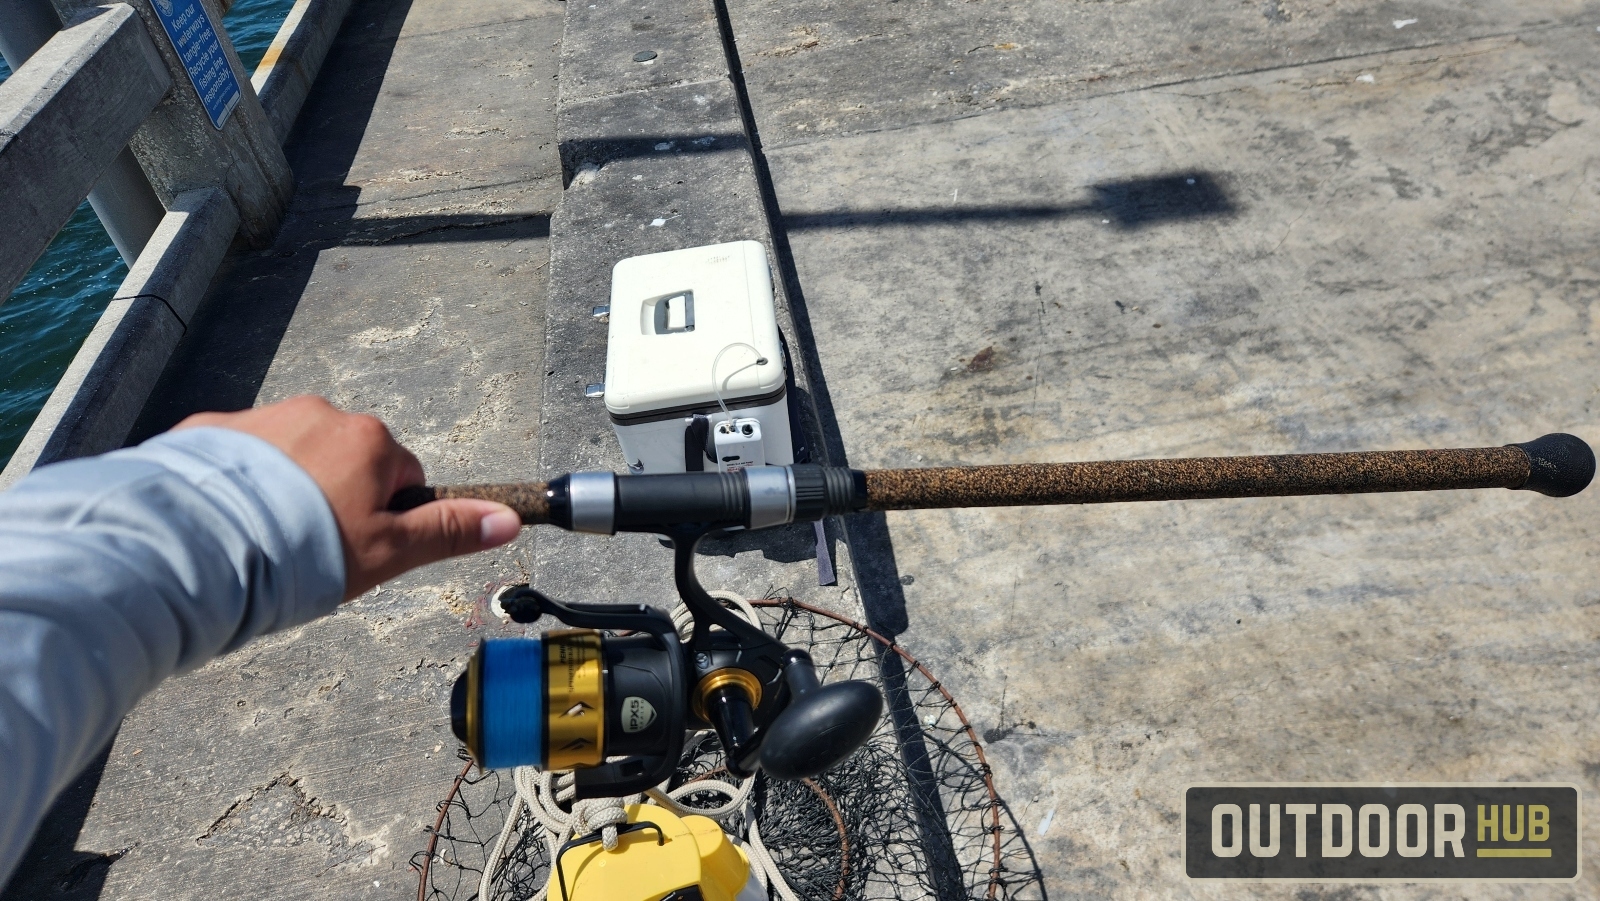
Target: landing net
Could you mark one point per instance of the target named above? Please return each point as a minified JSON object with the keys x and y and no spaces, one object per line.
{"x":912,"y":815}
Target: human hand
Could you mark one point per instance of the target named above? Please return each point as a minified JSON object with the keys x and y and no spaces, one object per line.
{"x":359,"y":466}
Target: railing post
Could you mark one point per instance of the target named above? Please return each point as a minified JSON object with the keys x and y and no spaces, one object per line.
{"x":181,"y":150}
{"x":64,"y":118}
{"x":123,"y":197}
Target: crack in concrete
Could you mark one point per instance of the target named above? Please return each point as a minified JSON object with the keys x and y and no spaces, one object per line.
{"x":280,"y":814}
{"x":473,"y":225}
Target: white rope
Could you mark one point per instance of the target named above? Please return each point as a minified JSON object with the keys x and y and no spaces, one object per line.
{"x":761,"y":861}
{"x":486,"y":882}
{"x":542,"y":795}
{"x":683,"y":620}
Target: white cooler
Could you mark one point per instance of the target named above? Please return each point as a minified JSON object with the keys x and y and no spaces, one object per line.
{"x":675,"y":317}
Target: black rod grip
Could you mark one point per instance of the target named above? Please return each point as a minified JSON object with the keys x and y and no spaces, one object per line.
{"x":827,"y":491}
{"x":647,"y":502}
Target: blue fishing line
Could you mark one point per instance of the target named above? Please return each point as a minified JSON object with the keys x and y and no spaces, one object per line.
{"x":513,"y":703}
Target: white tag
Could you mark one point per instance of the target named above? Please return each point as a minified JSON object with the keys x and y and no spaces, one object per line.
{"x":637,"y":715}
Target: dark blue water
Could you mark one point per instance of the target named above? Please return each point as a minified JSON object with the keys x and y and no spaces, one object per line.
{"x":56,"y":306}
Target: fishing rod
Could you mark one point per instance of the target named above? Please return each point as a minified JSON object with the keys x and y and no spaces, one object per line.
{"x":1557,"y":465}
{"x":615,"y":708}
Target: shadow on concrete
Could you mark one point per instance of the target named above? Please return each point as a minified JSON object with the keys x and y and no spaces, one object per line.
{"x":878,"y":579}
{"x":785,"y":544}
{"x":882,"y":587}
{"x":1127,"y":204}
{"x":224,"y":356}
{"x":52,"y":867}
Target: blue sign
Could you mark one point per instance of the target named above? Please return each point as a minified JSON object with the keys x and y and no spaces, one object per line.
{"x":201,"y":51}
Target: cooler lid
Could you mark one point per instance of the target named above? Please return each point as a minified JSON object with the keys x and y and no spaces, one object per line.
{"x":674,"y":313}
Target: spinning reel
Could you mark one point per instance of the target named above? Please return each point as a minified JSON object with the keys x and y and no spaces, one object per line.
{"x":616,"y":708}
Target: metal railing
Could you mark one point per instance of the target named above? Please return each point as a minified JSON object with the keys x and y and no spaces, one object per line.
{"x":136,"y":107}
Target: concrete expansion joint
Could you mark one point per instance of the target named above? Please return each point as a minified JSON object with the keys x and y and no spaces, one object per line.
{"x":182,"y":323}
{"x":489,"y":221}
{"x":630,"y":92}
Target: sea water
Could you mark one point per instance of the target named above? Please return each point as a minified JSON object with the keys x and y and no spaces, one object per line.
{"x":53,"y":310}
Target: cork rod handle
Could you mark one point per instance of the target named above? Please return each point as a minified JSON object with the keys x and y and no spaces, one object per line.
{"x":1556,"y":465}
{"x":527,"y":498}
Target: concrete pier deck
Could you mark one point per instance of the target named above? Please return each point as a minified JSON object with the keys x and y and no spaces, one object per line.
{"x":1080,"y":231}
{"x":1009,"y":232}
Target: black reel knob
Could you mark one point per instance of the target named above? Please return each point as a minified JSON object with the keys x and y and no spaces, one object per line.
{"x":822,"y":725}
{"x":730,"y":710}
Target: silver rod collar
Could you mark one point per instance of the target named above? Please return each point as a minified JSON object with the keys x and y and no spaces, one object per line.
{"x":593,"y":496}
{"x":771,"y":495}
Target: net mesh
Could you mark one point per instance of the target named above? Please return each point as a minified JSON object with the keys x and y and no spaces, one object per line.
{"x":913,"y":814}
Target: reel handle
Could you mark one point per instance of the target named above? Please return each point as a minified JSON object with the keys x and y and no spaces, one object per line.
{"x":731,"y":713}
{"x":822,"y":725}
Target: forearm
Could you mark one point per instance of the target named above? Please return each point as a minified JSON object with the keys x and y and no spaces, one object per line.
{"x":124,"y":569}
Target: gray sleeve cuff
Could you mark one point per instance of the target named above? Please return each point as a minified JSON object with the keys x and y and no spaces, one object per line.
{"x":282,"y":510}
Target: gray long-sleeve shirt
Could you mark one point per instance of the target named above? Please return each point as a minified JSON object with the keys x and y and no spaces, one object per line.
{"x":118,"y":571}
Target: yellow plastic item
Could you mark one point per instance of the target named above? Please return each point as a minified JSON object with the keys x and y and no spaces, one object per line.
{"x":696,"y":853}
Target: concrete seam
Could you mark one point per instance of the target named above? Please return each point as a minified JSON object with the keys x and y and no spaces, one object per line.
{"x":179,"y":319}
{"x":1198,"y":79}
{"x":352,"y":241}
{"x":405,"y":198}
{"x":830,"y":447}
{"x":576,"y":101}
{"x":872,"y":559}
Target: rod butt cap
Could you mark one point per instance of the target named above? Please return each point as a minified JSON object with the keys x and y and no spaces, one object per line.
{"x":1559,"y":465}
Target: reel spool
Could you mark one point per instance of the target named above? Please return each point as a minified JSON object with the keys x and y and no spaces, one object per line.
{"x":567,"y":699}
